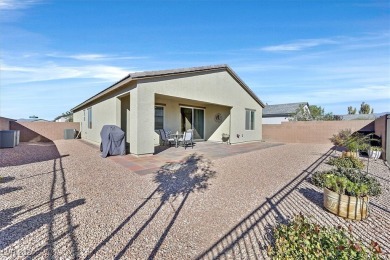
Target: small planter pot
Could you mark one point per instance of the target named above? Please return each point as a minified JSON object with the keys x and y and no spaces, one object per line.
{"x":346,"y":206}
{"x":374,"y":154}
{"x":350,"y":154}
{"x":225,"y":138}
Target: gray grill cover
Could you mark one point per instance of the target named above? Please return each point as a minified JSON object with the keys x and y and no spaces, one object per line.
{"x":113,"y":141}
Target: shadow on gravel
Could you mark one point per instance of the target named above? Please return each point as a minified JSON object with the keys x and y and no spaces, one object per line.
{"x":8,"y":190}
{"x":245,"y":240}
{"x":312,"y":195}
{"x":6,"y":179}
{"x":249,"y":238}
{"x":175,"y":180}
{"x":56,"y":218}
{"x":26,"y":153}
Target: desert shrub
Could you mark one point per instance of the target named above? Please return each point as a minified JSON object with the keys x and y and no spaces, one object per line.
{"x":346,"y":162}
{"x":341,"y":137}
{"x":303,"y":239}
{"x":357,"y":182}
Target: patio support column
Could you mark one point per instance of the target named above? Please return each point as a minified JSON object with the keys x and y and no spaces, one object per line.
{"x":141,"y":121}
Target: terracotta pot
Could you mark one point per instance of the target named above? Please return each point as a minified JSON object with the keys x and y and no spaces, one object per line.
{"x":346,"y":206}
{"x":350,"y":154}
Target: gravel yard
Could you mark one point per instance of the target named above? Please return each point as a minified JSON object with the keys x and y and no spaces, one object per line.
{"x":62,"y":200}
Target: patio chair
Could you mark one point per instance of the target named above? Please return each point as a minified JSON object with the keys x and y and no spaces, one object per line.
{"x":165,"y":138}
{"x":187,"y":139}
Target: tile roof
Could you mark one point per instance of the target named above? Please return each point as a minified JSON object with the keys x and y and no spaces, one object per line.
{"x":282,"y":109}
{"x":164,"y":73}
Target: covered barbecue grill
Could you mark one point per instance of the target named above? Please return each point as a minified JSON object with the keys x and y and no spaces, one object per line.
{"x":113,"y":141}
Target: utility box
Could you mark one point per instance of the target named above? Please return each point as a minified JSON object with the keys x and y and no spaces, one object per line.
{"x":9,"y":138}
{"x":69,"y":133}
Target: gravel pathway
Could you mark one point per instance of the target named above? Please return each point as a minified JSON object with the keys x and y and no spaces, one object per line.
{"x":62,"y":200}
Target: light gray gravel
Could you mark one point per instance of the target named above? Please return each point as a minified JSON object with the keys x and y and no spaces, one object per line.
{"x":72,"y":203}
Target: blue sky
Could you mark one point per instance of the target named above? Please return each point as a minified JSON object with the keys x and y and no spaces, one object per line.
{"x":55,"y":54}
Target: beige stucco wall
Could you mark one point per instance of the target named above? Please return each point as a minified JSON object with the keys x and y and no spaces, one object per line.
{"x":218,"y":91}
{"x":105,"y":111}
{"x":216,"y":88}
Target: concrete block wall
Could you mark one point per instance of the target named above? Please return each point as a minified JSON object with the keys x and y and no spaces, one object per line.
{"x":4,"y":123}
{"x":42,"y":131}
{"x":312,"y":131}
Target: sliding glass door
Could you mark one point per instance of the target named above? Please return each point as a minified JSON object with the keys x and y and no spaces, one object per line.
{"x":193,"y":118}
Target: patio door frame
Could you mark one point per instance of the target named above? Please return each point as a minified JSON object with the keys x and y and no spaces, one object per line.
{"x":192,"y":116}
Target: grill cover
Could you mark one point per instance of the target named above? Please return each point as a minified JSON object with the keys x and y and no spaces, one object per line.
{"x":113,"y":141}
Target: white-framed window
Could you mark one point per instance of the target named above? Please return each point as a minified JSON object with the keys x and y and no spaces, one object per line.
{"x":249,"y":119}
{"x":158,"y":117}
{"x":89,"y":111}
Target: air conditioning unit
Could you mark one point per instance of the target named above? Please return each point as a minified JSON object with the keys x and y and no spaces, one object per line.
{"x":69,"y":133}
{"x":9,"y":138}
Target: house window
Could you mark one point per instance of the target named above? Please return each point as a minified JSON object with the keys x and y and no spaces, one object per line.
{"x":249,"y":119}
{"x":158,"y":117}
{"x":89,"y":110}
{"x":84,"y":115}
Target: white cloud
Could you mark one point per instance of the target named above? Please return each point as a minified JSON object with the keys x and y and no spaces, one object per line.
{"x":94,"y":57}
{"x":298,"y":45}
{"x":16,"y":4}
{"x":20,"y":74}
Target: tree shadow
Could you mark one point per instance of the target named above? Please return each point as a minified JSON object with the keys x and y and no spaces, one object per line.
{"x":174,"y":180}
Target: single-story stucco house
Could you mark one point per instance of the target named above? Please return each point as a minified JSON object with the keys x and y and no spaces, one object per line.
{"x":278,"y":113}
{"x":211,"y":100}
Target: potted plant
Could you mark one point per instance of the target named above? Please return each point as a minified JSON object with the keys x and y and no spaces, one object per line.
{"x":352,"y":149}
{"x":345,"y":198}
{"x":225,"y":137}
{"x":347,"y":191}
{"x":375,"y":152}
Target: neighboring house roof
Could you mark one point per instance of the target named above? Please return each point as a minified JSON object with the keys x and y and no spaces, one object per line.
{"x":31,"y":120}
{"x":361,"y":116}
{"x":165,"y":73}
{"x":282,"y":109}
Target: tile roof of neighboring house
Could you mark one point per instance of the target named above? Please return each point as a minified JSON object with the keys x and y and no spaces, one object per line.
{"x":31,"y":120}
{"x":282,"y":109}
{"x":164,"y":73}
{"x":361,"y":116}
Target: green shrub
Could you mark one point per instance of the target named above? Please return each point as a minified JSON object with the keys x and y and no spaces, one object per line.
{"x":302,"y":239}
{"x":353,"y":182}
{"x":341,"y":137}
{"x":346,"y":162}
{"x":343,"y":185}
